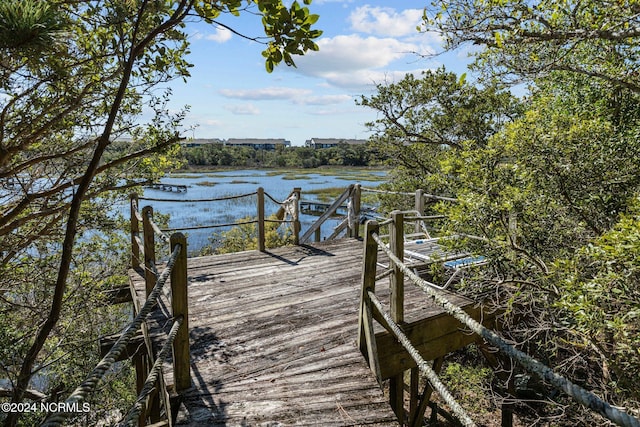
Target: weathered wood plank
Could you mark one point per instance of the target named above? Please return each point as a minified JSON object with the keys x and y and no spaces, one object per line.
{"x":273,"y":338}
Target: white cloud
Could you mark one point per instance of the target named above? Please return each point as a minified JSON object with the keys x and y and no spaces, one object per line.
{"x":221,"y":35}
{"x":267,"y":93}
{"x":243,"y":109}
{"x":352,"y":52}
{"x":213,"y":122}
{"x":367,"y":79}
{"x":296,"y":95}
{"x":324,"y":100}
{"x":385,"y":21}
{"x":352,"y":61}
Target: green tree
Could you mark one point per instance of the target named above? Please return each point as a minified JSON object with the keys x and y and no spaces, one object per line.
{"x":550,"y":198}
{"x":601,"y":299}
{"x":74,"y":76}
{"x":244,"y":237}
{"x":521,"y":38}
{"x":424,"y":120}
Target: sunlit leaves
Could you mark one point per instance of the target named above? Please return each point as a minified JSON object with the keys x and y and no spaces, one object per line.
{"x":603,"y":297}
{"x":29,"y":25}
{"x":423,"y":119}
{"x":595,"y":38}
{"x":290,"y":30}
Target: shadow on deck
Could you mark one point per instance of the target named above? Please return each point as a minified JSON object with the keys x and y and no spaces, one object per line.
{"x":273,"y":339}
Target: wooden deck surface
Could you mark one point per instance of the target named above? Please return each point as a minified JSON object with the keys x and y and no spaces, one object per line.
{"x":273,"y":338}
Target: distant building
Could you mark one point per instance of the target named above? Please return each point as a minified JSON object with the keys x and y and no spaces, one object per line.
{"x":199,"y":142}
{"x":332,"y":142}
{"x":258,"y":143}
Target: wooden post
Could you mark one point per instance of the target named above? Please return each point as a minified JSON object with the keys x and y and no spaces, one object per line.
{"x":180,"y":307}
{"x":261,"y":245}
{"x":396,"y":307}
{"x":149,"y":249}
{"x":140,"y":360}
{"x":418,"y":416}
{"x":507,"y":415}
{"x":366,"y":336}
{"x":296,"y":216}
{"x":135,"y":231}
{"x":355,"y":200}
{"x":396,"y":244}
{"x":419,"y":208}
{"x":318,"y":234}
{"x":413,"y":397}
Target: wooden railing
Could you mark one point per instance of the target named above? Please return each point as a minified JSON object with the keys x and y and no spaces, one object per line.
{"x":145,"y":249}
{"x":152,"y":392}
{"x":137,"y":219}
{"x":352,"y":192}
{"x":406,"y":346}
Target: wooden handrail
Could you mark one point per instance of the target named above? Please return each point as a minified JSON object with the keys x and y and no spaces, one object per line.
{"x":260,"y":203}
{"x":180,"y":308}
{"x":149,"y":249}
{"x":135,"y":231}
{"x":327,"y":214}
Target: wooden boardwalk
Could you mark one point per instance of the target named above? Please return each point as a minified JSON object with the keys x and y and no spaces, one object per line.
{"x":273,"y":338}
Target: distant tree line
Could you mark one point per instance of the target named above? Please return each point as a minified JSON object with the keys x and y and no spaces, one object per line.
{"x":298,"y":157}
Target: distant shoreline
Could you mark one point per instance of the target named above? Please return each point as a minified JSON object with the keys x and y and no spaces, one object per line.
{"x":209,"y":168}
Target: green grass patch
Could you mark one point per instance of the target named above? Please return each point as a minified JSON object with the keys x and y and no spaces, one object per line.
{"x":240,"y":181}
{"x":325,"y":194}
{"x":207,"y":183}
{"x":295,"y":177}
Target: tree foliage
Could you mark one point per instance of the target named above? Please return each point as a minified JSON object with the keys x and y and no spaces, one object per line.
{"x":521,"y":38}
{"x":425,"y":120}
{"x":550,"y":196}
{"x":244,"y":237}
{"x":74,"y":77}
{"x":297,"y":157}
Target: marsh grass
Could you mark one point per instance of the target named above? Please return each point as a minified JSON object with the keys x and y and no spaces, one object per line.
{"x":325,"y":194}
{"x":207,"y":183}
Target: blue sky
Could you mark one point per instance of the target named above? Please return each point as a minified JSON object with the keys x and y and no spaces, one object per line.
{"x":364,"y":43}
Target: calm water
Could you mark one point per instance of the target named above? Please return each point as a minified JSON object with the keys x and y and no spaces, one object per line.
{"x":277,"y":184}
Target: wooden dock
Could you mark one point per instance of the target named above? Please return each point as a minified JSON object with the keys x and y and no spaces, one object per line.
{"x":273,"y":338}
{"x":167,"y":187}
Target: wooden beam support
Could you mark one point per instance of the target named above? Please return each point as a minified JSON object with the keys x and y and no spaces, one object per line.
{"x":433,"y":337}
{"x":260,"y":203}
{"x":396,"y":308}
{"x":135,"y":231}
{"x":417,"y":416}
{"x":326,"y":215}
{"x":134,"y":347}
{"x":296,"y":216}
{"x":180,"y":307}
{"x":366,"y":336}
{"x":419,"y":205}
{"x":149,"y":249}
{"x":356,"y":195}
{"x":119,"y":295}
